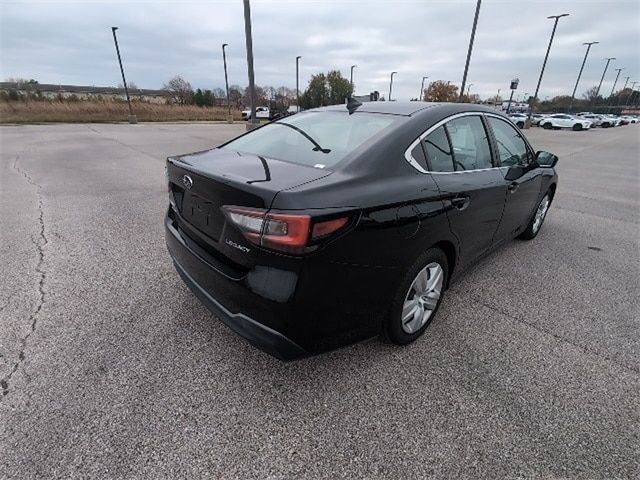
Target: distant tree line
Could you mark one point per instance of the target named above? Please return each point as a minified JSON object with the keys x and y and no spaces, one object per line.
{"x":181,"y":92}
{"x":323,"y":89}
{"x":332,"y":88}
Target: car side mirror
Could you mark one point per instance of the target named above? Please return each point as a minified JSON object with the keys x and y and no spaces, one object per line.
{"x":546,"y":159}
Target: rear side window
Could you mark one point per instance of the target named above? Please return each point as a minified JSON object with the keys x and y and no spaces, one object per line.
{"x":470,"y":143}
{"x":418,"y":155}
{"x":438,"y":151}
{"x":512,"y":149}
{"x":319,"y":139}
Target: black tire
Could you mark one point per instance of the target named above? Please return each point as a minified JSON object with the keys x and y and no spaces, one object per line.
{"x":531,"y":231}
{"x":577,"y":127}
{"x":392,"y":328}
{"x":520,"y":124}
{"x":547,"y":126}
{"x":605,"y":125}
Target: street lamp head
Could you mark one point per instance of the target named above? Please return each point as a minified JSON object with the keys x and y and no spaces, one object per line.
{"x":225,"y":45}
{"x":114,"y":28}
{"x":590,"y":43}
{"x":298,"y":57}
{"x":559,"y":16}
{"x":393,"y":73}
{"x":354,"y":66}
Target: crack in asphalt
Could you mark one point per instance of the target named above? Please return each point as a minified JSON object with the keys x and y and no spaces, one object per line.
{"x":115,"y":140}
{"x":40,"y":242}
{"x":559,"y":338}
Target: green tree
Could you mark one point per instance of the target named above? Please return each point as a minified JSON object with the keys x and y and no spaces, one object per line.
{"x":208,"y":99}
{"x":329,"y":89}
{"x":198,"y":98}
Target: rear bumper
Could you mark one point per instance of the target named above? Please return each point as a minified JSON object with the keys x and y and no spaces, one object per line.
{"x":206,"y":282}
{"x":285,"y":306}
{"x":261,"y":336}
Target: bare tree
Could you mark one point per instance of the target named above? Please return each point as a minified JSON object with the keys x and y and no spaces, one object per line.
{"x":235,"y":95}
{"x":440,"y":91}
{"x":590,"y":95}
{"x":180,"y":90}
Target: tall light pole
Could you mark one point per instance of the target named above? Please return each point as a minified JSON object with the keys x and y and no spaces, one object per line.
{"x":422,"y":89}
{"x":226,"y":81}
{"x":473,"y":35}
{"x":298,"y":82}
{"x":544,"y":64}
{"x":132,"y":117}
{"x":253,"y":121}
{"x":595,"y":97}
{"x":497,"y":96}
{"x":615,"y":82}
{"x":633,"y":84}
{"x":573,"y":95}
{"x":468,"y":89}
{"x":626,"y":82}
{"x":391,"y":84}
{"x":609,"y":100}
{"x":351,"y":81}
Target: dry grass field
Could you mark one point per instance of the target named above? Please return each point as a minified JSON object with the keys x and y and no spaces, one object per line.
{"x":92,"y":111}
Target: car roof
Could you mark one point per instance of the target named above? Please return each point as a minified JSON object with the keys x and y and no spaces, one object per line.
{"x":403,"y":108}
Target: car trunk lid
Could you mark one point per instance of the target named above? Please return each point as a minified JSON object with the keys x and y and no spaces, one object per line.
{"x":202,"y":183}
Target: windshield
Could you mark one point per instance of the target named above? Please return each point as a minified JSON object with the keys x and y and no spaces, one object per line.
{"x":318,"y":139}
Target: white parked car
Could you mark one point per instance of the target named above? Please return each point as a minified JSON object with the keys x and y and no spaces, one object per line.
{"x":536,"y":118}
{"x":562,"y":120}
{"x":518,"y":119}
{"x":610,"y":121}
{"x":596,"y":120}
{"x":262,"y":113}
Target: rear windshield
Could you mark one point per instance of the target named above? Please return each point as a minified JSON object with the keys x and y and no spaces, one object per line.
{"x":317,"y":139}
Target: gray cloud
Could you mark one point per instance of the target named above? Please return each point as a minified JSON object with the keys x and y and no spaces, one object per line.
{"x":70,"y":42}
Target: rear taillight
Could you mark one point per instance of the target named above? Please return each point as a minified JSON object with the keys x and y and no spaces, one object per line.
{"x":284,"y":232}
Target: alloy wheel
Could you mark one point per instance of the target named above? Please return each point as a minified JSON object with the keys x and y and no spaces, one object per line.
{"x":540,"y":213}
{"x":422,"y":298}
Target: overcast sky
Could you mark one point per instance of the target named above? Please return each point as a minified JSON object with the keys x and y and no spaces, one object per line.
{"x":70,"y":42}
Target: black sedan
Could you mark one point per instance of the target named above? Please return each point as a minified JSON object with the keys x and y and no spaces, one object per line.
{"x":340,"y":223}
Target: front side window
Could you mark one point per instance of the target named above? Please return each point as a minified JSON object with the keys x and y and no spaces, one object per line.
{"x":319,"y":139}
{"x":438,"y":151}
{"x":470,"y":143}
{"x":512,"y":149}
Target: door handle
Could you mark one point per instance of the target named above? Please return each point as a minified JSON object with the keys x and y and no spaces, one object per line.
{"x":513,"y":186}
{"x":461,"y":202}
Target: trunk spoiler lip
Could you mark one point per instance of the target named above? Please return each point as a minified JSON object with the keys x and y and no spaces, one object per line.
{"x":179,"y":162}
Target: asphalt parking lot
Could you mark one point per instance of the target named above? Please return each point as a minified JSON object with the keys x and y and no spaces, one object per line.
{"x":111,"y":368}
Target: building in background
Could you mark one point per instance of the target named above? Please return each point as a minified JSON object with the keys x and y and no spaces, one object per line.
{"x":80,"y":92}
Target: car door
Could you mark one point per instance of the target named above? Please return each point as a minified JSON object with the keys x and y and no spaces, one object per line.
{"x":523,"y":180}
{"x":472,"y":189}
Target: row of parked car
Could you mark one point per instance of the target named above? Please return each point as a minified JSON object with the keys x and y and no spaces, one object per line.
{"x":581,"y":121}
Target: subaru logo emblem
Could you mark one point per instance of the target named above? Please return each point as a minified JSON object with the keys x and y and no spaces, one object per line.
{"x":187,"y":182}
